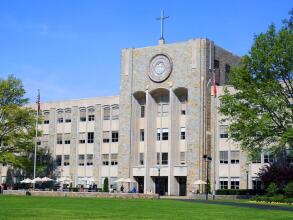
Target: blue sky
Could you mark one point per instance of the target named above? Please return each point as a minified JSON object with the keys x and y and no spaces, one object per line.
{"x":61,"y":45}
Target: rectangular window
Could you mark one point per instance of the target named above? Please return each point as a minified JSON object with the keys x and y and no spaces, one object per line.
{"x":66,"y":138}
{"x":158,"y":158}
{"x":141,"y":135}
{"x":82,"y":138}
{"x":141,"y":158}
{"x":224,"y":157}
{"x":256,"y":158}
{"x":223,"y":182}
{"x":216,"y":64}
{"x":235,"y":155}
{"x":227,"y":71}
{"x":234,"y":182}
{"x":165,"y":133}
{"x":89,"y":159}
{"x":60,"y":116}
{"x":115,"y":136}
{"x":165,"y":110}
{"x":182,"y":158}
{"x":59,"y":139}
{"x":58,"y":160}
{"x":106,"y":136}
{"x":105,"y":159}
{"x":256,"y":183}
{"x":223,"y":131}
{"x":91,"y":114}
{"x":182,"y":133}
{"x":164,"y":158}
{"x":90,"y":137}
{"x":46,"y":117}
{"x":67,"y":116}
{"x":183,"y":100}
{"x":114,"y":159}
{"x":268,"y":157}
{"x":82,"y":115}
{"x":115,"y":112}
{"x":142,"y":111}
{"x":81,"y":160}
{"x":106,"y":114}
{"x":66,"y":160}
{"x":158,"y":134}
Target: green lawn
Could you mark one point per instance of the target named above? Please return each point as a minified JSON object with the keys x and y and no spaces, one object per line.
{"x":21,"y":207}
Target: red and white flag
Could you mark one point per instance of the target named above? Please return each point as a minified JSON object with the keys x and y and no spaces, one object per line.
{"x":38,"y":102}
{"x":215,"y":86}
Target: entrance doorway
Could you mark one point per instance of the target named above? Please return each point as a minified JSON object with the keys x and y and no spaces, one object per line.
{"x":140,"y":183}
{"x":182,"y":185}
{"x":161,"y":185}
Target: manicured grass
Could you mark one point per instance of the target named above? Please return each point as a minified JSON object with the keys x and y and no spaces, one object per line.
{"x":21,"y":207}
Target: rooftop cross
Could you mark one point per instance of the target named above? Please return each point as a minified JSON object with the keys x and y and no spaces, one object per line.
{"x":162,"y":18}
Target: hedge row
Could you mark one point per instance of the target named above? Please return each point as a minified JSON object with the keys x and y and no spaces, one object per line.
{"x":239,"y":192}
{"x":271,"y":199}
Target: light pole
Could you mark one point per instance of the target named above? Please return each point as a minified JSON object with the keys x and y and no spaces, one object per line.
{"x":207,"y":160}
{"x":247,"y":177}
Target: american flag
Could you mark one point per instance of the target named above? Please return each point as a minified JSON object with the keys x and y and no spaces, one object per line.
{"x":38,"y":102}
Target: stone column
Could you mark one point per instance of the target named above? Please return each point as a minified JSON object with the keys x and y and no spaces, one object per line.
{"x":74,"y":143}
{"x":97,"y":144}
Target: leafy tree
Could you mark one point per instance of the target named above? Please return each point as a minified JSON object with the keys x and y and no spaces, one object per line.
{"x":272,"y":189}
{"x":260,"y":109}
{"x":278,"y":173}
{"x":106,"y":185}
{"x":289,"y":190}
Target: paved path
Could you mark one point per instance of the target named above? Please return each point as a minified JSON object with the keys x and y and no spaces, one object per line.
{"x":239,"y":204}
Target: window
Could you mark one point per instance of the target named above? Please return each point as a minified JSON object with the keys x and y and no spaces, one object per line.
{"x":141,"y":158}
{"x":256,"y":183}
{"x":227,"y":71}
{"x":82,"y":115}
{"x":66,"y":138}
{"x":58,"y":160}
{"x":81,"y":160}
{"x":182,"y":158}
{"x":60,"y":116}
{"x":235,"y":157}
{"x":90,"y":137}
{"x":158,"y":158}
{"x":256,"y":158}
{"x":223,"y":182}
{"x":67,"y":116}
{"x":164,"y":158}
{"x":46,"y":117}
{"x":183,"y":100}
{"x":141,"y":135}
{"x":165,"y":109}
{"x":89,"y":159}
{"x":182,"y":133}
{"x":66,"y":160}
{"x":142,"y":111}
{"x":115,"y":136}
{"x":164,"y":134}
{"x":158,"y":134}
{"x":162,"y":105}
{"x":216,"y":64}
{"x":39,"y":142}
{"x":114,"y":159}
{"x":105,"y":159}
{"x":82,"y":138}
{"x":106,"y":136}
{"x":223,"y":131}
{"x":59,"y":139}
{"x":268,"y":157}
{"x":115,"y":112}
{"x":106,"y":113}
{"x":234,"y":182}
{"x":91,"y":114}
{"x":224,"y":157}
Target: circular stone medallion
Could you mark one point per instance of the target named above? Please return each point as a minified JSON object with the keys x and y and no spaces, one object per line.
{"x":160,"y":68}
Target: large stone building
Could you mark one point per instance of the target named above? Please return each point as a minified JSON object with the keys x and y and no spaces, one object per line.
{"x":157,"y":131}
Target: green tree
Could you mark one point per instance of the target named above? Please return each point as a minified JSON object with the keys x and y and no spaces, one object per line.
{"x":17,"y":122}
{"x":106,"y":185}
{"x":260,"y":110}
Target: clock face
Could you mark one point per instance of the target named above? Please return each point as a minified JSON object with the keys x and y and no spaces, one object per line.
{"x":160,"y":68}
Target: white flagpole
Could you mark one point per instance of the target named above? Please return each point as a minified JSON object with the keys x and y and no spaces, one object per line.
{"x":36,"y":135}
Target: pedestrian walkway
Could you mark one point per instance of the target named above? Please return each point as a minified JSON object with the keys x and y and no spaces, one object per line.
{"x":240,"y":204}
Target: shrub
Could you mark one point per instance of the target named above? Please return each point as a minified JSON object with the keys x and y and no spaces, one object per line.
{"x":239,"y":192}
{"x":289,"y":190}
{"x":272,"y":189}
{"x":106,"y":185}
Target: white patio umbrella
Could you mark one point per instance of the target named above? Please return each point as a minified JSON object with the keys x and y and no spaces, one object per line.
{"x":27,"y":180}
{"x":128,"y":180}
{"x":199,"y":182}
{"x":64,"y":179}
{"x":38,"y":179}
{"x":46,"y":179}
